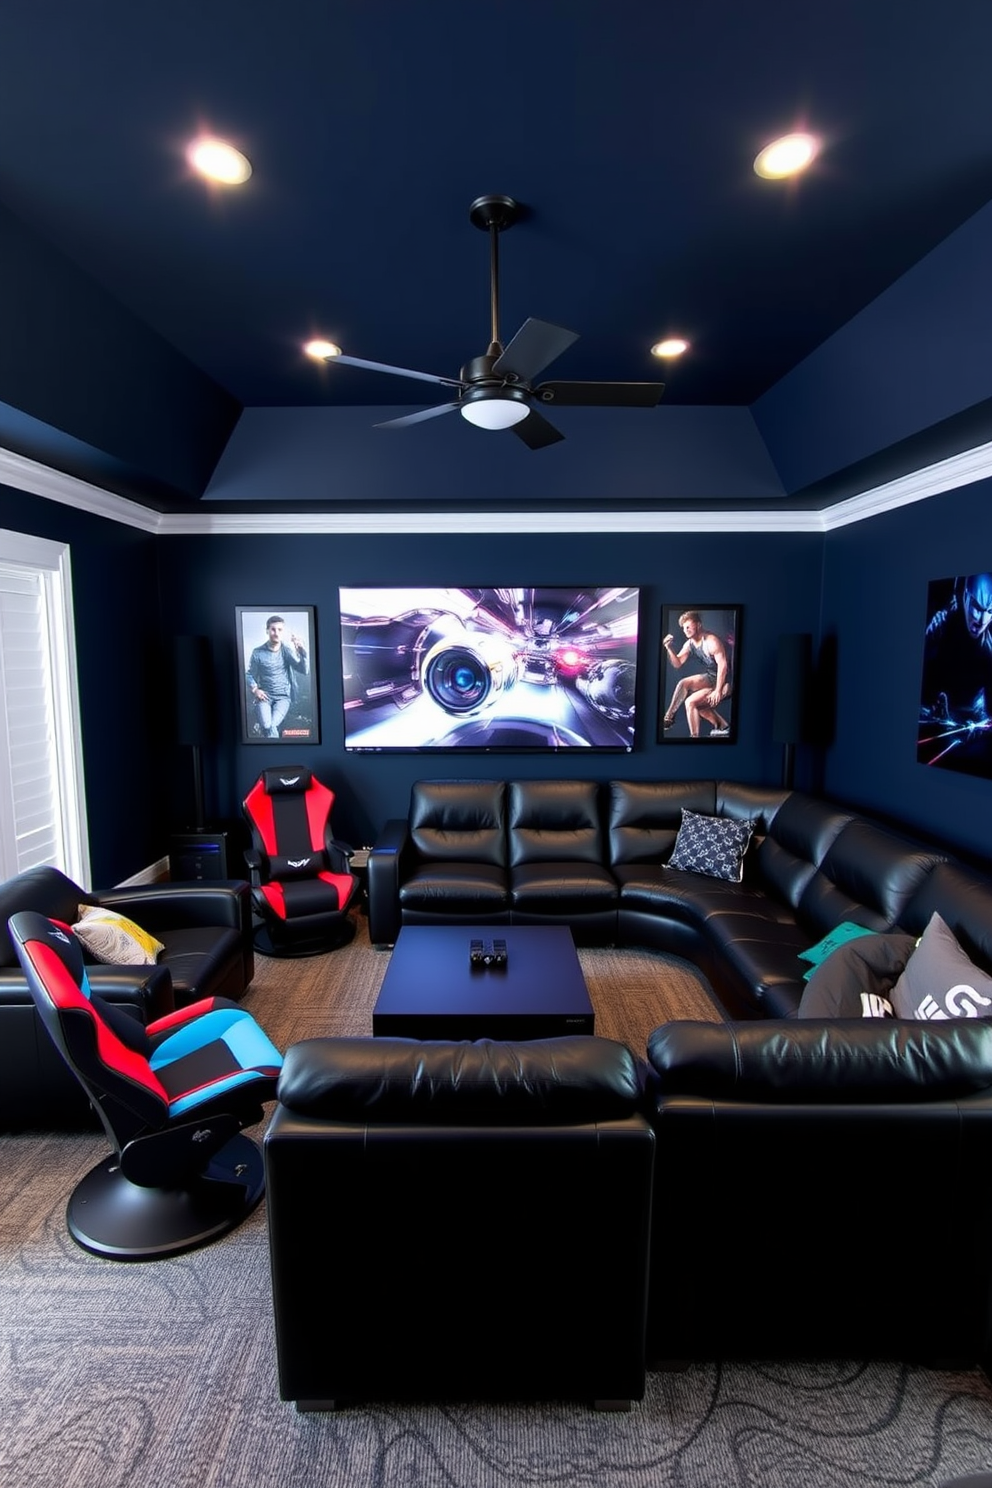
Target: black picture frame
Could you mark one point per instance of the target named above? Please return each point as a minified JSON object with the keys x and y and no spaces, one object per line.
{"x":300,"y":723}
{"x":700,"y":722}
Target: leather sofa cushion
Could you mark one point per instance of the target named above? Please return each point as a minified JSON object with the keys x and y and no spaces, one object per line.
{"x":868,"y":875}
{"x":836,"y":1060}
{"x":692,"y":898}
{"x":554,"y":821}
{"x":459,"y":820}
{"x":799,"y":838}
{"x":759,"y":804}
{"x":201,"y":959}
{"x":963,"y":899}
{"x":645,"y":816}
{"x":455,"y":888}
{"x":569,"y":1079}
{"x":562,"y":888}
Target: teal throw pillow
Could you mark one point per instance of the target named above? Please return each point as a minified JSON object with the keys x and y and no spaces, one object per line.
{"x":838,"y":936}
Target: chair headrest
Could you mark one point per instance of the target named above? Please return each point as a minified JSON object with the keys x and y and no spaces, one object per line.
{"x":290,"y":780}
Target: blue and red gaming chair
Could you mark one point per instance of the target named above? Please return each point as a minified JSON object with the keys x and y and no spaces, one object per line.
{"x":301,"y":881}
{"x":173,"y":1096}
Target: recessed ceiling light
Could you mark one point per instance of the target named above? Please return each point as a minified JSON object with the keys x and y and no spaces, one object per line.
{"x":672,"y":346}
{"x":219,"y":161}
{"x":786,"y":156}
{"x":321,"y":351}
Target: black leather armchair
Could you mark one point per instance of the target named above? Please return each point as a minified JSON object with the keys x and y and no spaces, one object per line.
{"x":822,"y":1191}
{"x":474,"y":1189}
{"x":206,"y":931}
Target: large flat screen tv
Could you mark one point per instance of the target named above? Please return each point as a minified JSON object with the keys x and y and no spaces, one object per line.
{"x":510,"y":669}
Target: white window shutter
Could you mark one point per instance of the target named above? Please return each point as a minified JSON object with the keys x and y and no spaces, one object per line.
{"x":42,"y":816}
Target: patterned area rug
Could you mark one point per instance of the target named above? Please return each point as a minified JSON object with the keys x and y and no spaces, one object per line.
{"x":164,"y":1374}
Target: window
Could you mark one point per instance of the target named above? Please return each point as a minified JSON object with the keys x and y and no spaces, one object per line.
{"x":42,"y":805}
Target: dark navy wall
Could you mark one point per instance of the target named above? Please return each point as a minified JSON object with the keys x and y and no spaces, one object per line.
{"x":776,"y":578}
{"x":123,"y":679}
{"x":874,"y":604}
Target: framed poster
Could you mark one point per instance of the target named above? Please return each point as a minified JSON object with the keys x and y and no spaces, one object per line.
{"x":955,"y":722}
{"x":700,"y":664}
{"x":278,"y":674}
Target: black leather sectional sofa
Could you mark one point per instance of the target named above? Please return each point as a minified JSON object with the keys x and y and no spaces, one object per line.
{"x":817,"y":1188}
{"x":760,"y":1190}
{"x":815,"y":1179}
{"x":595,"y":857}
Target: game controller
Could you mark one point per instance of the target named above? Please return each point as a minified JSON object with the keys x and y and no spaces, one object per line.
{"x":490,"y":953}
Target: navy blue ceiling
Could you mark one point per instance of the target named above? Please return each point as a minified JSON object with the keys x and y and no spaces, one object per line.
{"x":626,"y":129}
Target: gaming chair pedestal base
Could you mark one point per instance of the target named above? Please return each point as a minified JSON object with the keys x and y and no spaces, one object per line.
{"x":122,"y":1221}
{"x":296,"y":944}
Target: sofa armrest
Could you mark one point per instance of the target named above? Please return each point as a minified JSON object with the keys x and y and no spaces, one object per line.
{"x":147,"y":990}
{"x":176,"y":906}
{"x":385,"y":863}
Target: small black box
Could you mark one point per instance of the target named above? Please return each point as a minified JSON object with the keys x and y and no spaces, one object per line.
{"x":194,"y":855}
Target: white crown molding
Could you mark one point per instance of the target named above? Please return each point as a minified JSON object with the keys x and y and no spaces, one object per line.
{"x":425,"y":523}
{"x":946,"y":475}
{"x":41,"y":480}
{"x":931,"y":480}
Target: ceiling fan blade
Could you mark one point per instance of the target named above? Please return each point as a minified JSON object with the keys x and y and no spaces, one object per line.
{"x":350,"y":361}
{"x":601,"y":394}
{"x":536,"y":344}
{"x":536,"y":432}
{"x":417,"y":418}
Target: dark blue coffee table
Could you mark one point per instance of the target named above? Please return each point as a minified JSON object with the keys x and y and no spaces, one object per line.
{"x":431,"y":990}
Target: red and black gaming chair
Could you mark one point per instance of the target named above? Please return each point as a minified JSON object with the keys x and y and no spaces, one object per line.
{"x":173,"y":1096}
{"x":301,"y":881}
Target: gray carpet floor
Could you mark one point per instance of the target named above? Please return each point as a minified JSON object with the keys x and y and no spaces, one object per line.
{"x":163,"y":1375}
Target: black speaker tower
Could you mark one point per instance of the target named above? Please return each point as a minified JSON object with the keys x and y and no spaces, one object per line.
{"x":196,"y":854}
{"x":194,"y":712}
{"x":791,"y":706}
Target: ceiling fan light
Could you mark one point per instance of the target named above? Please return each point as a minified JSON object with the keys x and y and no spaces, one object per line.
{"x":500,"y":410}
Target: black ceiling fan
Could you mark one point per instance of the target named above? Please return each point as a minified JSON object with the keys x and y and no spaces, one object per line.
{"x":497,"y":391}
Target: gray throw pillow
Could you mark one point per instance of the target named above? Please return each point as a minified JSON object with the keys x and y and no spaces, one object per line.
{"x":712,"y":845}
{"x":856,"y":980}
{"x":940,"y":980}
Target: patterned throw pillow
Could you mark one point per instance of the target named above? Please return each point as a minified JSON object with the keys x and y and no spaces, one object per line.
{"x":712,"y":845}
{"x":940,"y":981}
{"x":114,"y":939}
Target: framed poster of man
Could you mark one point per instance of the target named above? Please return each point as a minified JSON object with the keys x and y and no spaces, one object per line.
{"x":278,"y":674}
{"x":700,"y":663}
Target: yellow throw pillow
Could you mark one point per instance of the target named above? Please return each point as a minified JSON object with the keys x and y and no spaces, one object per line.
{"x":114,"y":939}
